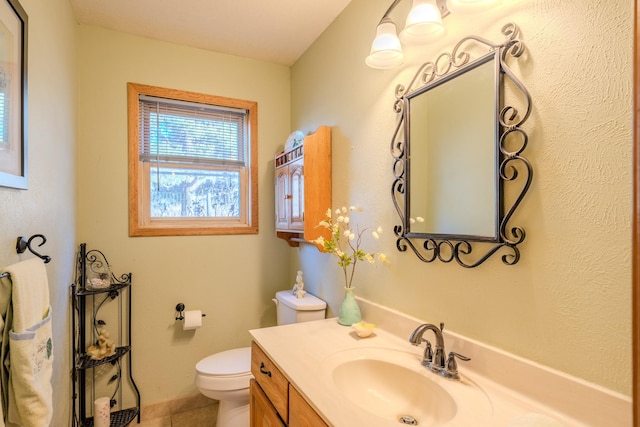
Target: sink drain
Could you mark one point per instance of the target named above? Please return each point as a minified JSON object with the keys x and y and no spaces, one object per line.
{"x":408,"y":420}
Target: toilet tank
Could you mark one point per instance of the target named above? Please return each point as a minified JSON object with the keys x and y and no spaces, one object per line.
{"x":291,"y":309}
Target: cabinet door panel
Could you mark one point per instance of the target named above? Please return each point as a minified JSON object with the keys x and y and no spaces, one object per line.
{"x":263,"y":414}
{"x":283,"y":200}
{"x":296,"y":190}
{"x":301,"y":414}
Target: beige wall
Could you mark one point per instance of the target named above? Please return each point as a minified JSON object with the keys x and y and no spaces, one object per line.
{"x":230,"y":278}
{"x":566,"y":304}
{"x":48,"y":206}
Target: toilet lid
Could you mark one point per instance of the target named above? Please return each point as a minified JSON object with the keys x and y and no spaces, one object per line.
{"x":226,"y":363}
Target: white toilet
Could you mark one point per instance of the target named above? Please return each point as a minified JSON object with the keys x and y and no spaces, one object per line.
{"x":225,"y":376}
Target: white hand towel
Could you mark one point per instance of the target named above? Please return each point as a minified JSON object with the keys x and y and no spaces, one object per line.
{"x":30,"y":358}
{"x":30,"y":390}
{"x":29,"y":294}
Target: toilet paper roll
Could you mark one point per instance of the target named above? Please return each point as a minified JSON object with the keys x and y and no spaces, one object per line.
{"x":192,"y":320}
{"x":102,"y":412}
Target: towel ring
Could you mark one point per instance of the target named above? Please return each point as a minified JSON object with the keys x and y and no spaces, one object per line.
{"x":22,"y":245}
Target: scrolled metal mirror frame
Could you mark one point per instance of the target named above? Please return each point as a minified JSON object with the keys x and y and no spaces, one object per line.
{"x":513,"y":169}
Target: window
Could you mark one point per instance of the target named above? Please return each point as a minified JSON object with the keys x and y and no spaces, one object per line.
{"x":192,"y":163}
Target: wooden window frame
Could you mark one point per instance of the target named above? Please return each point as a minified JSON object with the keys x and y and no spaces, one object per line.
{"x":140,"y":221}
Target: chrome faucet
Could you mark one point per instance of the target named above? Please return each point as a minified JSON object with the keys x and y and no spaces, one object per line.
{"x":436,"y":361}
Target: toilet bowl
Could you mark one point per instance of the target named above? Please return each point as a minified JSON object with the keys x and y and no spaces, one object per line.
{"x":225,"y":376}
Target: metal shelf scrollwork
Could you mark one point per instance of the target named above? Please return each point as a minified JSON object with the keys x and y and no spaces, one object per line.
{"x":513,"y":171}
{"x":101,"y":304}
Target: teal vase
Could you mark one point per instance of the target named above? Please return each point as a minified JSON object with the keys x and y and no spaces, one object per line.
{"x":349,"y":310}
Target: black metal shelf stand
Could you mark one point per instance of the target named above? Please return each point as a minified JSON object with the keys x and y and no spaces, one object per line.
{"x":87,"y":300}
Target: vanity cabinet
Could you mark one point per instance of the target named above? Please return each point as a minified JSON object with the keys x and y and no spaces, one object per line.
{"x":101,"y":343}
{"x":303,"y":188}
{"x":273,"y":400}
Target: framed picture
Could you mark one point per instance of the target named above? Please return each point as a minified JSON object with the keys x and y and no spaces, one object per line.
{"x":13,"y":95}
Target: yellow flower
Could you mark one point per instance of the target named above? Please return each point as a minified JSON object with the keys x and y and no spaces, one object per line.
{"x":383,"y":258}
{"x":346,"y":242}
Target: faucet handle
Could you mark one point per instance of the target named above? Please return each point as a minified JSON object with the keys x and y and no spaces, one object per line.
{"x":452,"y":365}
{"x":428,"y":353}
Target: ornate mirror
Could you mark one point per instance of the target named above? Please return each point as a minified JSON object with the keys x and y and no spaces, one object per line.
{"x":459,"y":170}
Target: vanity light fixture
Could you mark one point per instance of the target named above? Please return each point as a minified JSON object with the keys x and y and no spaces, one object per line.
{"x":423,"y":24}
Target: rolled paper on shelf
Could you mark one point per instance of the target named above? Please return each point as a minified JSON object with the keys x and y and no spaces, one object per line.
{"x":192,"y":320}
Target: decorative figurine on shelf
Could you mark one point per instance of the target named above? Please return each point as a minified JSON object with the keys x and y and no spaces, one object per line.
{"x":104,"y":346}
{"x":298,"y":287}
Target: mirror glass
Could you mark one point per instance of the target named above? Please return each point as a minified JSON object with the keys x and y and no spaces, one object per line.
{"x":451,"y":167}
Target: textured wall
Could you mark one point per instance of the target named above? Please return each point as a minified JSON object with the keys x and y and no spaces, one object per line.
{"x":203,"y":272}
{"x":566,"y":304}
{"x":48,"y":206}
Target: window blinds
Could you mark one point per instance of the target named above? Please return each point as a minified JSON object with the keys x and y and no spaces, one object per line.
{"x":188,"y":132}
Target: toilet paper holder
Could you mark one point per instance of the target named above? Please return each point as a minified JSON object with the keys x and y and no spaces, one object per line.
{"x":180,"y":311}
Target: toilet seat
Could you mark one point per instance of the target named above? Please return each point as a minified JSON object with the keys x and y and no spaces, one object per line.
{"x":227,"y":370}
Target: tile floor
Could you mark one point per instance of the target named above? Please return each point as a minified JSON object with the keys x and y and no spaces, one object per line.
{"x":189,"y":411}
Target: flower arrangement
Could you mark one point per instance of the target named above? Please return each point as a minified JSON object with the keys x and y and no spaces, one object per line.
{"x":346,"y":242}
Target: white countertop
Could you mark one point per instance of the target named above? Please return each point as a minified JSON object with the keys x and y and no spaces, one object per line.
{"x":299,"y":350}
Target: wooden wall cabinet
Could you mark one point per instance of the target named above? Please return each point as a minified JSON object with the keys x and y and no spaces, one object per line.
{"x":303,"y":188}
{"x":274,"y":402}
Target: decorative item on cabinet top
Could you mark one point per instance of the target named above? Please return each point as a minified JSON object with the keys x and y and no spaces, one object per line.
{"x":303,"y":188}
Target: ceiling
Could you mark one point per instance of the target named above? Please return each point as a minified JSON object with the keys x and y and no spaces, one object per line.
{"x":277,"y":31}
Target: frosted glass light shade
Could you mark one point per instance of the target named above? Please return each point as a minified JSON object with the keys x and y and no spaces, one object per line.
{"x":423,"y":24}
{"x":386,"y":50}
{"x":470,"y":6}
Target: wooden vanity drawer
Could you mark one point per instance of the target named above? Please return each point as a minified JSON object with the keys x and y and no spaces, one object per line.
{"x":274,"y":384}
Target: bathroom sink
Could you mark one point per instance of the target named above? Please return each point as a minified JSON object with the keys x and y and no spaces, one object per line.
{"x":394,"y":388}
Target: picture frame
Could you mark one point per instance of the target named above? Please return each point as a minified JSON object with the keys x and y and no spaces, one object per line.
{"x":13,"y":95}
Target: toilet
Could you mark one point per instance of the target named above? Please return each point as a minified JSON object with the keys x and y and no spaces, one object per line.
{"x":225,"y":376}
